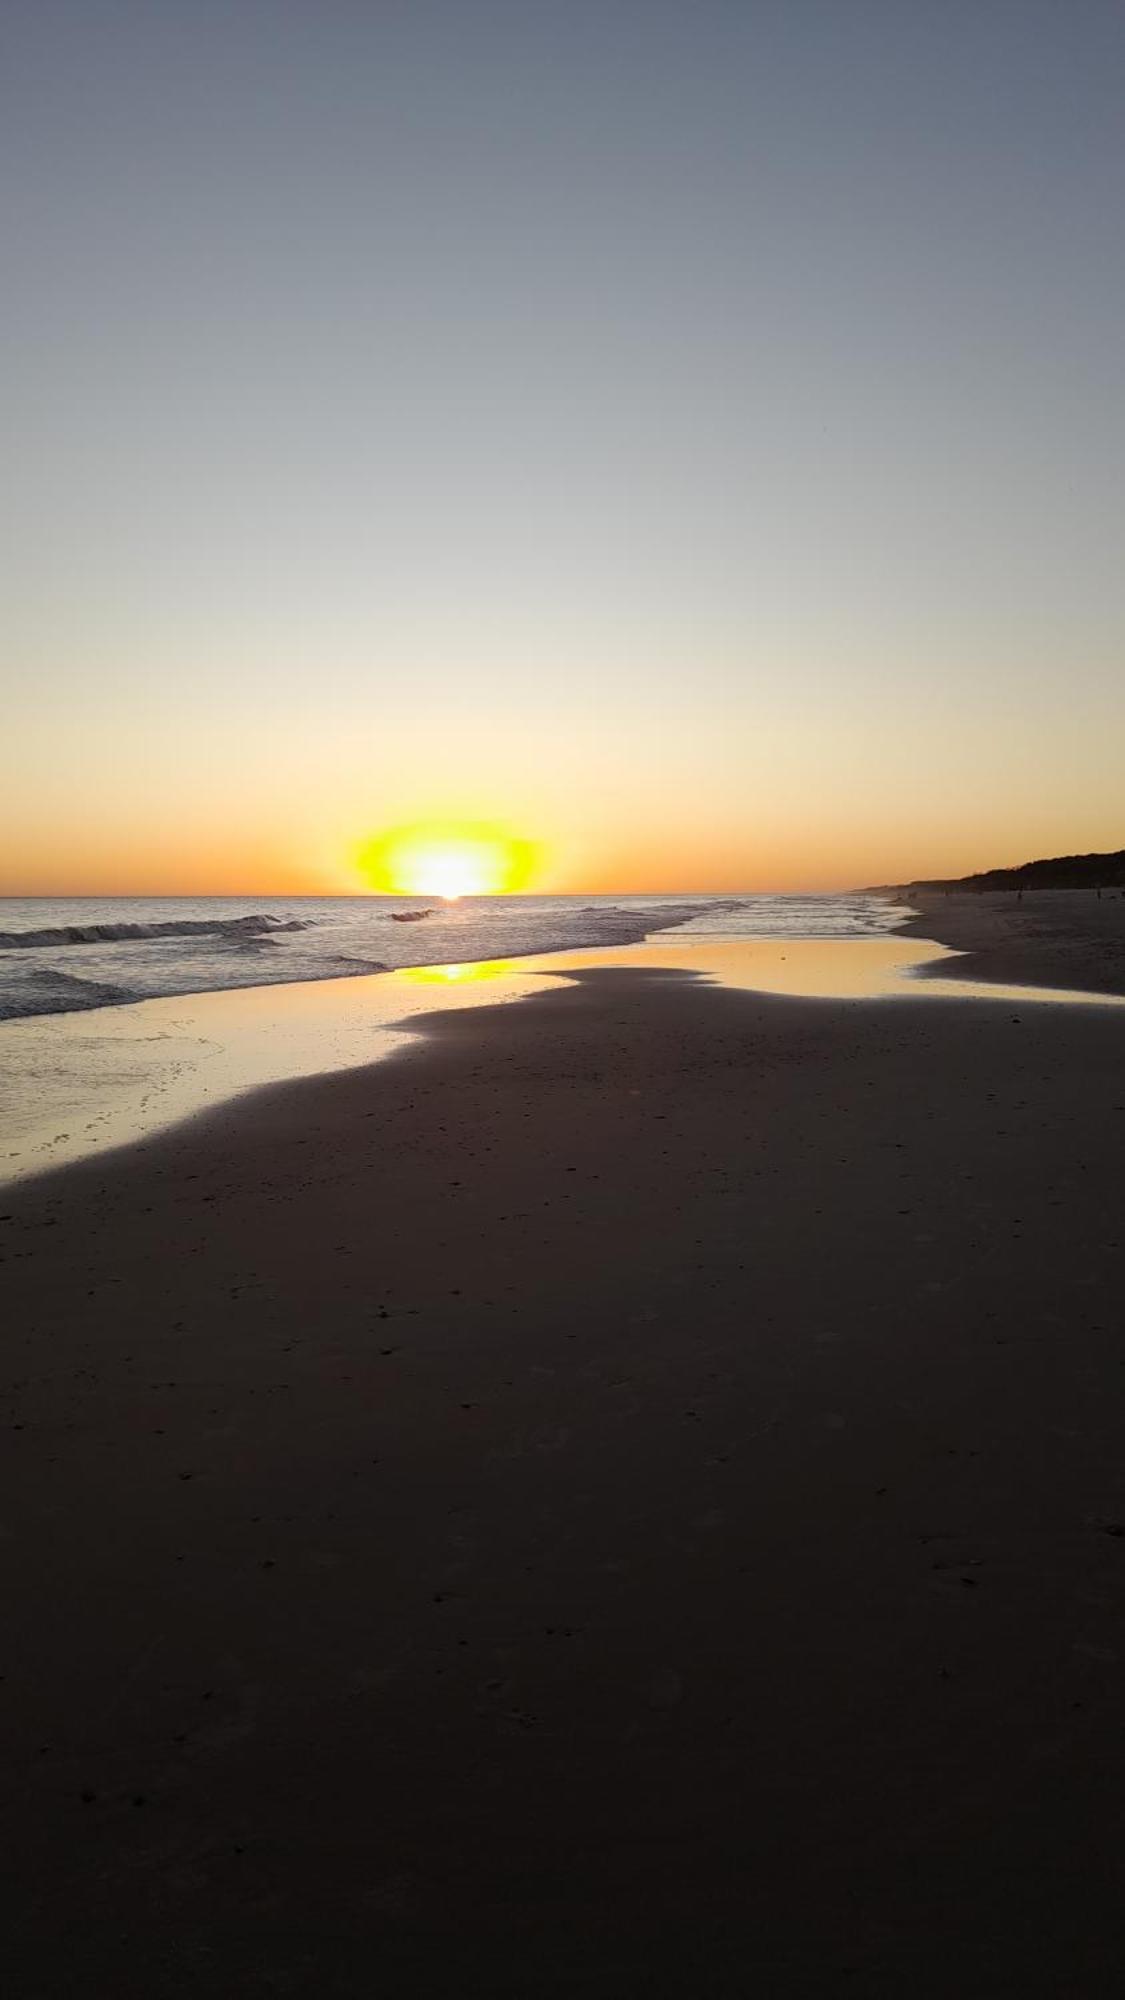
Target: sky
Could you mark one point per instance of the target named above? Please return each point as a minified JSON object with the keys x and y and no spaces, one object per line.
{"x":691,"y":436}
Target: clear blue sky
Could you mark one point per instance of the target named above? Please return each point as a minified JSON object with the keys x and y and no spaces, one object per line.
{"x":692,"y":434}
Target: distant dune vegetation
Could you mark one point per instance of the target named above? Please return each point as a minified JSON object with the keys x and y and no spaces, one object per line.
{"x":1066,"y":871}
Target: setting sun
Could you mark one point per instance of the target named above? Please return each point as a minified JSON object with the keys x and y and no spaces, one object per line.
{"x":448,"y":860}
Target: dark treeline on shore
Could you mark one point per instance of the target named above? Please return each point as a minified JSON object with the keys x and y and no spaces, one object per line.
{"x":1066,"y":871}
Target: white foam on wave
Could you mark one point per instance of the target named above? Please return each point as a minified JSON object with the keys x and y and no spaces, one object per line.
{"x":57,"y":935}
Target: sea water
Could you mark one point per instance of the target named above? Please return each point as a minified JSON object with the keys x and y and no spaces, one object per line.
{"x":67,"y":955}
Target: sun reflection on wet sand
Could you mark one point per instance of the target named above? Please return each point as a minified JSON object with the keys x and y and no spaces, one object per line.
{"x":456,"y":975}
{"x":77,"y":1084}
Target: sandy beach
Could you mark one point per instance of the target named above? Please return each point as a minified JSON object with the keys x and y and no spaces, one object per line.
{"x":1047,"y":937}
{"x":563,"y":1389}
{"x":624,"y":1498}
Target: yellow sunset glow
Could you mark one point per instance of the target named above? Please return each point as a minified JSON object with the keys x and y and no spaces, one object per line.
{"x":448,"y":861}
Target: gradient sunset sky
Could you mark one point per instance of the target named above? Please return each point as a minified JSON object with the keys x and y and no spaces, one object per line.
{"x":692,"y":435}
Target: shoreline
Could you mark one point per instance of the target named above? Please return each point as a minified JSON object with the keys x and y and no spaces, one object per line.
{"x":86,"y":1084}
{"x":1048,"y":937}
{"x":619,"y":1499}
{"x":461,"y":934}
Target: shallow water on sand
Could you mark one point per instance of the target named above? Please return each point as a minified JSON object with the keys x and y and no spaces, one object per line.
{"x":74,"y":1085}
{"x":833,"y":969}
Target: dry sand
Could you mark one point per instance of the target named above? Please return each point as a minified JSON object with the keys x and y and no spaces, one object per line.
{"x":627,"y":1498}
{"x":1046,"y":937}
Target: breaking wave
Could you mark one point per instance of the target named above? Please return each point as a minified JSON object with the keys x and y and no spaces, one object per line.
{"x":49,"y":992}
{"x":224,"y":927}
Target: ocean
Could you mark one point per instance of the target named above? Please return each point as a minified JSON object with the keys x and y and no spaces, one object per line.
{"x":68,"y":955}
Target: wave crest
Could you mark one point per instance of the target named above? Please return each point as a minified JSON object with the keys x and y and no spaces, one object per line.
{"x":225,"y":927}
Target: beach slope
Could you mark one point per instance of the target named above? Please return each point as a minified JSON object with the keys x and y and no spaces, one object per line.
{"x":1067,"y":938}
{"x":625,"y":1498}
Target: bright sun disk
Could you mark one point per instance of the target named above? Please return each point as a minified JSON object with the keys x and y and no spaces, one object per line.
{"x":447,"y":861}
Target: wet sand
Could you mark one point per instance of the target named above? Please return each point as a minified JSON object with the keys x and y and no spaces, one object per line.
{"x":1047,"y":937}
{"x":74,"y":1085}
{"x":624,"y":1498}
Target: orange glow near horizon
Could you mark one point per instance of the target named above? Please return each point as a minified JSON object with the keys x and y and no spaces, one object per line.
{"x":447,"y":859}
{"x":59,"y":843}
